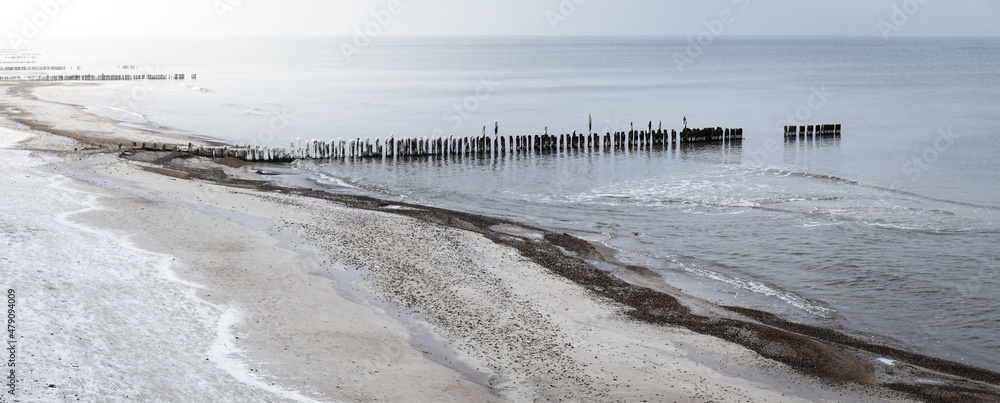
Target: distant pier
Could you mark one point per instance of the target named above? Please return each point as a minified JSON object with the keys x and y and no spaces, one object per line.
{"x":96,"y":77}
{"x":485,"y":145}
{"x":793,"y":133}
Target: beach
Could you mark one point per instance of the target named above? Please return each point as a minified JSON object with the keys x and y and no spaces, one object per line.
{"x":154,"y":275}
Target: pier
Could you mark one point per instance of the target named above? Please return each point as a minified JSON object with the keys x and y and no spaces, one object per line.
{"x":484,"y":145}
{"x":96,"y":77}
{"x":810,"y":132}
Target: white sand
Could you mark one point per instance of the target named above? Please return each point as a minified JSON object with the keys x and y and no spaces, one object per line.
{"x":136,"y":286}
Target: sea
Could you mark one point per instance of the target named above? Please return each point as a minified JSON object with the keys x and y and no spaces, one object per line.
{"x":890,"y":232}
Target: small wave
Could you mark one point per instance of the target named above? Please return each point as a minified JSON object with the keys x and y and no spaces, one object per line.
{"x":119,"y":114}
{"x":257,"y":112}
{"x":136,"y":114}
{"x":719,"y":190}
{"x":196,"y":89}
{"x":928,"y":229}
{"x":791,"y":199}
{"x":785,"y":173}
{"x":705,"y":213}
{"x":936,"y":199}
{"x":266,"y":112}
{"x":814,"y":224}
{"x":337,"y":181}
{"x":900,"y":218}
{"x":760,"y":288}
{"x":323,"y":177}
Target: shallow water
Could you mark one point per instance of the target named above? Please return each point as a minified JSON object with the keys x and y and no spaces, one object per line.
{"x":889,"y":231}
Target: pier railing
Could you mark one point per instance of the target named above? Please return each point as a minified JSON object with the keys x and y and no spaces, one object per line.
{"x":485,"y":145}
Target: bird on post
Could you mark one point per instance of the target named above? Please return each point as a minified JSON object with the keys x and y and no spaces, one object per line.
{"x":496,"y":128}
{"x":590,"y":124}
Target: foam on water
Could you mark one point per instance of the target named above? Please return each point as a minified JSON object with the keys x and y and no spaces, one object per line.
{"x":762,"y":289}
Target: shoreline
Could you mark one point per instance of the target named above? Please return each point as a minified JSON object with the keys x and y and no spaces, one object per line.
{"x":818,"y":352}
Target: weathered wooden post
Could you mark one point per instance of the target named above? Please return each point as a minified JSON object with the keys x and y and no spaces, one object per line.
{"x":659,"y":134}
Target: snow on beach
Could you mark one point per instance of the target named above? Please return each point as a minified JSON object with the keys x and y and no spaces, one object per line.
{"x":136,"y":282}
{"x":97,"y":317}
{"x":104,"y":318}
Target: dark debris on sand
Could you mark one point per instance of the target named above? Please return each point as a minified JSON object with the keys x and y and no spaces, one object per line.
{"x":820,"y":352}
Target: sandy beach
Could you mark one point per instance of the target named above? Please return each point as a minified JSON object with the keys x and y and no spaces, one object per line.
{"x":146,"y":275}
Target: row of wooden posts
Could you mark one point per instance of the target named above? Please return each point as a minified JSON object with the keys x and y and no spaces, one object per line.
{"x":98,"y":77}
{"x":811,"y":131}
{"x":31,"y":68}
{"x":484,"y":145}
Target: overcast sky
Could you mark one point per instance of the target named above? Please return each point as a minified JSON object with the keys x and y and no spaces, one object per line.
{"x":143,"y":18}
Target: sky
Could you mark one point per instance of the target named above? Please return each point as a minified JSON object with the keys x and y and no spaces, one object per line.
{"x":146,"y":18}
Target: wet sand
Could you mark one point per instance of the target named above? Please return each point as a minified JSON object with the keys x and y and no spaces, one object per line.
{"x":340,"y":297}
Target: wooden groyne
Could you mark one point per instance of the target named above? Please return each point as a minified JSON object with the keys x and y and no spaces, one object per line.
{"x":97,"y":77}
{"x":793,"y":133}
{"x":484,"y":145}
{"x":32,"y":68}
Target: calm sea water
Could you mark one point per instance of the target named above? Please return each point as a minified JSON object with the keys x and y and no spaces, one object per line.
{"x":891,"y":232}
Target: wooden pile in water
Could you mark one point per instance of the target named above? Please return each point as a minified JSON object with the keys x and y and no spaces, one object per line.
{"x":793,"y":133}
{"x":96,"y":77}
{"x":484,"y":145}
